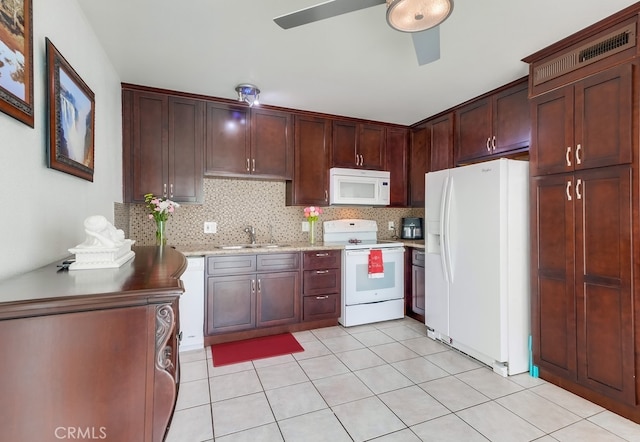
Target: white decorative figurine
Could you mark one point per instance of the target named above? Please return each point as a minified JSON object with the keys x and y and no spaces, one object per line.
{"x":104,"y":247}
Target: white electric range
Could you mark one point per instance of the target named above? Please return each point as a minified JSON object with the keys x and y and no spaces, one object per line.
{"x":366,"y":299}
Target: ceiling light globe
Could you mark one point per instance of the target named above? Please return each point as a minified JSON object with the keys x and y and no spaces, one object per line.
{"x":417,"y":15}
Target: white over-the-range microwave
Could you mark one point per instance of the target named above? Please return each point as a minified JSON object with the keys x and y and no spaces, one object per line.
{"x":359,"y":187}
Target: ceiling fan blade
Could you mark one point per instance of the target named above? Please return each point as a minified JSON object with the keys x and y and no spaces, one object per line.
{"x":323,"y":10}
{"x":427,"y":45}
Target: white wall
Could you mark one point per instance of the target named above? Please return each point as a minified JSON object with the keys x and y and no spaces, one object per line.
{"x":42,"y":210}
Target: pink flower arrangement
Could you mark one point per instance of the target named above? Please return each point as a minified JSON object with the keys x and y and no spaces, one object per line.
{"x":311,"y":213}
{"x":160,"y":208}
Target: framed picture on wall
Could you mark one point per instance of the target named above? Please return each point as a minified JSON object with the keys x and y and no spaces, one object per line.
{"x":71,"y":106}
{"x":16,"y":60}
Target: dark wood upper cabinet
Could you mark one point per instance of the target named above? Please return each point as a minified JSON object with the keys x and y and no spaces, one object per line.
{"x":441,"y":145}
{"x":418,"y":164}
{"x":493,"y":124}
{"x":243,"y":141}
{"x":358,"y":145}
{"x":162,"y":146}
{"x":228,"y":139}
{"x":584,"y":125}
{"x":396,"y":162}
{"x":271,"y":144}
{"x":310,"y":184}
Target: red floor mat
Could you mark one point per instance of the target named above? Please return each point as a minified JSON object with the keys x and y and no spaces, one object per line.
{"x":256,"y":348}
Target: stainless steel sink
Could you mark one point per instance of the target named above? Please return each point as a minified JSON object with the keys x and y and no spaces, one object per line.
{"x":252,"y":246}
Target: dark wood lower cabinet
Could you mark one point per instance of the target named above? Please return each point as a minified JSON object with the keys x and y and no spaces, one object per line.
{"x":257,"y":295}
{"x":582,"y":280}
{"x":91,"y":354}
{"x":414,"y":283}
{"x":278,"y":299}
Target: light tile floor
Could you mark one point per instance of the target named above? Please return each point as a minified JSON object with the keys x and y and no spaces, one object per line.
{"x":385,"y":382}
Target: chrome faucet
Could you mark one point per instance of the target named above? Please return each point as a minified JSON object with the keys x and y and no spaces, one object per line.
{"x":252,"y":233}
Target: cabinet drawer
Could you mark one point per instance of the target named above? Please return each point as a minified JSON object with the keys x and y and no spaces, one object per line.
{"x":321,"y":307}
{"x":324,"y":259}
{"x":272,"y":262}
{"x":321,"y":281}
{"x":417,"y":257}
{"x":231,"y":265}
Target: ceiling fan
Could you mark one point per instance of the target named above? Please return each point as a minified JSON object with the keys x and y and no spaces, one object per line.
{"x":418,"y":17}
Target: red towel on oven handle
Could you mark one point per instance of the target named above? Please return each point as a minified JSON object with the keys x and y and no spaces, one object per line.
{"x":376,"y":265}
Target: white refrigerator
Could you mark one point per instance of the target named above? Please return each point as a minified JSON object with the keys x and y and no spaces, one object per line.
{"x":477,"y":262}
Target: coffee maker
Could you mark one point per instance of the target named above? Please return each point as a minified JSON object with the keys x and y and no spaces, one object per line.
{"x":411,"y":228}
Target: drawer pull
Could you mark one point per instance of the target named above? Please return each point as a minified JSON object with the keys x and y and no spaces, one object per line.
{"x":419,"y":253}
{"x":322,"y":254}
{"x":322,"y":297}
{"x":321,"y":272}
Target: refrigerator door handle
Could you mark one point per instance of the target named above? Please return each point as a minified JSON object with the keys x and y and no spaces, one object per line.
{"x":445,"y":252}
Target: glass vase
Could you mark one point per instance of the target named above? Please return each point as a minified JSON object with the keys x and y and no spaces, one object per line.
{"x":312,"y":231}
{"x":161,"y":236}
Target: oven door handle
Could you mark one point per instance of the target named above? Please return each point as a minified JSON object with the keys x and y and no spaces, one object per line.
{"x":384,"y":251}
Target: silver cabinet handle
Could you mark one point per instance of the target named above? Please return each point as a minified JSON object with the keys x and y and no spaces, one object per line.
{"x":419,"y":253}
{"x":568,"y":156}
{"x":259,"y":286}
{"x":171,"y":190}
{"x":326,"y":195}
{"x":164,"y":190}
{"x":322,"y":254}
{"x":248,"y":170}
{"x":487,"y":144}
{"x":253,"y":286}
{"x":493,"y":143}
{"x":578,"y":184}
{"x":322,"y":297}
{"x":253,"y":167}
{"x":357,"y":159}
{"x":578,"y":149}
{"x":361,"y":160}
{"x":321,"y":272}
{"x":569,"y":190}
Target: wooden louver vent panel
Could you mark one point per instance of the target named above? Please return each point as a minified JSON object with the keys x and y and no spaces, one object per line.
{"x":610,"y":44}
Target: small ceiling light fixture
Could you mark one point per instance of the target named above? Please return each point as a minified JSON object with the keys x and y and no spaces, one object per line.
{"x":417,"y":15}
{"x":248,"y":93}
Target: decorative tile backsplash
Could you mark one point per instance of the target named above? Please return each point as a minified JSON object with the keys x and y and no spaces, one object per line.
{"x":235,"y":204}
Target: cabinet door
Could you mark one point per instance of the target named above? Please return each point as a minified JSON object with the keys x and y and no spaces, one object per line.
{"x":231,"y":304}
{"x":417,"y":290}
{"x":371,"y":146}
{"x":148,"y":148}
{"x":552,"y":274}
{"x":441,"y":145}
{"x":343,"y":146}
{"x":473,"y":130}
{"x":511,"y":119}
{"x":227,"y":149}
{"x":185,"y":153}
{"x":552,"y":132}
{"x":310,"y":184}
{"x":603,"y":210}
{"x":418,"y":165}
{"x":603,"y":118}
{"x":271,"y":144}
{"x":397,"y":150}
{"x":278,"y":298}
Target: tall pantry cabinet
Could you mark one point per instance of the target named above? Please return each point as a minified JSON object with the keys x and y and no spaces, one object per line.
{"x":585,"y":212}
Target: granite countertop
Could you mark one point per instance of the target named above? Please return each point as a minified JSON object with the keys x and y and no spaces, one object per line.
{"x":214,"y":249}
